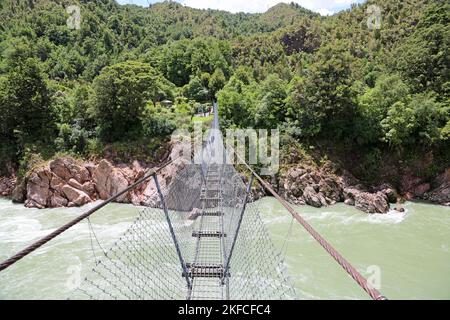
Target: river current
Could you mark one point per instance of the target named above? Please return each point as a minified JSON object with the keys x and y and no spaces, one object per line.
{"x":406,"y":254}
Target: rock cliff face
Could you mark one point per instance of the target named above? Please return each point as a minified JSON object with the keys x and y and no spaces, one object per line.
{"x":319,"y":188}
{"x":66,"y":182}
{"x":440,"y":192}
{"x":7,"y":186}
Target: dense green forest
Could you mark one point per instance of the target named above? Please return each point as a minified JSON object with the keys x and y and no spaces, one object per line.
{"x":330,"y":84}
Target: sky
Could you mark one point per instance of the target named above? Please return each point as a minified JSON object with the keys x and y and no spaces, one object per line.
{"x":324,"y":7}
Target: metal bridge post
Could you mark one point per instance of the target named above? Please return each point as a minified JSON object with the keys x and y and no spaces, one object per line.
{"x":172,"y":232}
{"x":227,"y":265}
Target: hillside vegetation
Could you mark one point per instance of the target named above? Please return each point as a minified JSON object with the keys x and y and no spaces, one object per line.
{"x":371,"y":99}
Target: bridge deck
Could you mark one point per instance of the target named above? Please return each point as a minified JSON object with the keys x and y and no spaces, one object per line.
{"x":206,"y":270}
{"x":195,"y":240}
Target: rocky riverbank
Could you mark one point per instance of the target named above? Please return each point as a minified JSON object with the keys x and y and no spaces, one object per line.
{"x":66,"y":182}
{"x":7,"y":186}
{"x":318,"y":187}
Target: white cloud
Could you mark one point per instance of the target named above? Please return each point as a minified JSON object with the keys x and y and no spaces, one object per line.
{"x":324,"y":7}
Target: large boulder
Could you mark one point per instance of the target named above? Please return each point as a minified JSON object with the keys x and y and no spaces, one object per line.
{"x":67,"y":182}
{"x":118,"y":182}
{"x":366,"y":201}
{"x":441,"y":189}
{"x":57,"y":201}
{"x":413,"y":187}
{"x":350,"y":195}
{"x":314,"y":198}
{"x":75,"y":196}
{"x":310,"y":186}
{"x":7,"y":186}
{"x":389,"y":191}
{"x":30,"y":203}
{"x":63,"y":182}
{"x":19,"y":194}
{"x":332,"y":189}
{"x":38,"y":188}
{"x":57,"y":183}
{"x":372,"y":202}
{"x":149,"y":195}
{"x":68,"y":168}
{"x":109,"y":181}
{"x":101,"y":178}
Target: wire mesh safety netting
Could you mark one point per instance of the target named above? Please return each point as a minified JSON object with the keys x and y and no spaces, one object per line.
{"x":202,"y":239}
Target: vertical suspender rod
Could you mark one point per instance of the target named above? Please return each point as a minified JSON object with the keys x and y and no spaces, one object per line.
{"x":172,"y":233}
{"x":227,"y":266}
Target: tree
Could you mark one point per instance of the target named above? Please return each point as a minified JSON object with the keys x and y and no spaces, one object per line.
{"x":25,"y":108}
{"x":158,"y":122}
{"x":307,"y":120}
{"x":324,"y":101}
{"x":181,"y":60}
{"x":374,"y":105}
{"x":419,"y":120}
{"x":237,"y":103}
{"x":120,"y":96}
{"x":431,"y":118}
{"x":423,"y":57}
{"x":217,"y":82}
{"x":195,"y":90}
{"x":271,"y":111}
{"x":399,"y":124}
{"x":175,"y":63}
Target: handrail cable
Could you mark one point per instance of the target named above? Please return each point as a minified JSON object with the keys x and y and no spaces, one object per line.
{"x":23,"y":253}
{"x":362,"y":282}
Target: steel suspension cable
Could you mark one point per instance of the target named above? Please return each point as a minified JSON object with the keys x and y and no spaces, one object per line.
{"x":362,"y":282}
{"x":21,"y":254}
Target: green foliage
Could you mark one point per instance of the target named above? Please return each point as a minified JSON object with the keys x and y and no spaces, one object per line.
{"x":182,"y":59}
{"x":370,"y":164}
{"x":237,"y":103}
{"x":120,"y":95}
{"x":29,"y":160}
{"x":431,"y":118}
{"x":445,"y":131}
{"x":271,"y":111}
{"x":216,"y":82}
{"x":374,"y":106}
{"x":315,"y":78}
{"x":73,"y":138}
{"x":399,"y":124}
{"x":324,"y":99}
{"x":158,"y":122}
{"x":25,"y":108}
{"x":423,"y":57}
{"x":195,"y":90}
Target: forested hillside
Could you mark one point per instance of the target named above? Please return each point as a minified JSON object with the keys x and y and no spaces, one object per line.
{"x":367,"y":98}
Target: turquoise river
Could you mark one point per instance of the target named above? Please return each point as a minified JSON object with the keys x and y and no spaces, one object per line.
{"x":409,"y":253}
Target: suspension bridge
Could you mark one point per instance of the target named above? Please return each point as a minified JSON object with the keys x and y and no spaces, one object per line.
{"x":201,"y":239}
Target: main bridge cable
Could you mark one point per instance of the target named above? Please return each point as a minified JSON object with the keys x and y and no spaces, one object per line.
{"x":21,"y":254}
{"x":362,"y":282}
